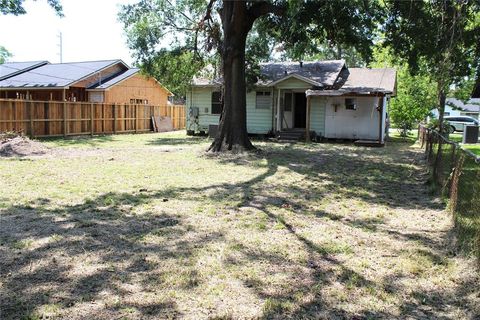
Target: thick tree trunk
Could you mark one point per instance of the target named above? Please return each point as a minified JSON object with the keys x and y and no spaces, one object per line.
{"x":441,"y":111}
{"x":232,"y":134}
{"x":441,"y":107}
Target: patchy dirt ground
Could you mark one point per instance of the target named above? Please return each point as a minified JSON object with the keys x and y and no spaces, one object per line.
{"x":148,"y":227}
{"x":21,"y":147}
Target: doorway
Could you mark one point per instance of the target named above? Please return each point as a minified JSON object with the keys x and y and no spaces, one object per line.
{"x":300,"y":110}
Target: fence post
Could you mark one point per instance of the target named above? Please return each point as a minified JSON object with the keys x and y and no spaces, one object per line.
{"x":114,"y":118}
{"x":135,"y":124}
{"x":65,"y":119}
{"x":32,"y":127}
{"x":91,"y":119}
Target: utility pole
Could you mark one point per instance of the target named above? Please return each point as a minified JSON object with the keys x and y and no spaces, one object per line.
{"x":60,"y":46}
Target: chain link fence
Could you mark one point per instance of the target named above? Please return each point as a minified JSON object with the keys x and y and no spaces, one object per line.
{"x":456,"y":174}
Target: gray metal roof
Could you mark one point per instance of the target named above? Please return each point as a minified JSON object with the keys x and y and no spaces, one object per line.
{"x":115,"y":79}
{"x":10,"y":69}
{"x":57,"y":75}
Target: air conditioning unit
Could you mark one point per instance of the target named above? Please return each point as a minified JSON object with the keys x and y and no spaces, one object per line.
{"x":470,"y":134}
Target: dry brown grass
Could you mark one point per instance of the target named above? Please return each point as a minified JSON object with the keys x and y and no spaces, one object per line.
{"x":149,"y":227}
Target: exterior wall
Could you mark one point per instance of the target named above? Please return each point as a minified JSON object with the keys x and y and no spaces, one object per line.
{"x":293,"y":83}
{"x":137,"y":87}
{"x":317,"y":115}
{"x":201,"y":98}
{"x":362,"y":123}
{"x":104,"y":74}
{"x":259,"y":121}
{"x":449,"y":111}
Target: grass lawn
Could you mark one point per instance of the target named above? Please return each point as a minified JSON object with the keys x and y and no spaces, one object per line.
{"x":475,"y":148}
{"x":149,"y":226}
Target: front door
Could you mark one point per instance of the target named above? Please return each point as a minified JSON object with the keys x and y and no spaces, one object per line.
{"x":300,"y":112}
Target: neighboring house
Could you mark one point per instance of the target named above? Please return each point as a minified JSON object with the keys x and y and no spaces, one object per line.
{"x":322,"y":96}
{"x":455,"y":107}
{"x":110,"y":81}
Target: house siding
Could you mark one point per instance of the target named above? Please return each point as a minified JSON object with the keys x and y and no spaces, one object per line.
{"x":362,"y":123}
{"x":317,"y":115}
{"x":259,"y":121}
{"x":293,"y":83}
{"x":137,"y":87}
{"x":201,"y":98}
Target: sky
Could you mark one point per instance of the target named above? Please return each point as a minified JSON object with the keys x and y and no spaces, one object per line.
{"x":90,"y":31}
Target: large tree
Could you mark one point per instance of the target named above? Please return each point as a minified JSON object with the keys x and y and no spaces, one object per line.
{"x":16,"y":7}
{"x":223,"y":27}
{"x":438,"y":37}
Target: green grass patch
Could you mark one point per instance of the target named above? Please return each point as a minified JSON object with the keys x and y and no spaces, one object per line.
{"x":150,"y":226}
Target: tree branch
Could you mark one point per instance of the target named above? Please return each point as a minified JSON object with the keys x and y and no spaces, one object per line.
{"x":262,"y":8}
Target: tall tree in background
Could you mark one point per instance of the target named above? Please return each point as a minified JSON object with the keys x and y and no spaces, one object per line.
{"x":439,"y":36}
{"x":4,"y":54}
{"x":224,"y":26}
{"x":416,"y":93}
{"x":16,"y":7}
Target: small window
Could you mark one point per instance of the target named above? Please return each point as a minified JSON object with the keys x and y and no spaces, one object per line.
{"x":350,"y":104}
{"x":216,"y":102}
{"x":263,"y":100}
{"x":288,"y":102}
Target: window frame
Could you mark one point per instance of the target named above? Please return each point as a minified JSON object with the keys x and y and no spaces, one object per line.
{"x":216,"y":104}
{"x":351,"y":106}
{"x":263,"y":93}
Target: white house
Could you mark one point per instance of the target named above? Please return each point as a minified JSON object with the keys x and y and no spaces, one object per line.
{"x":324,"y":97}
{"x":455,"y":107}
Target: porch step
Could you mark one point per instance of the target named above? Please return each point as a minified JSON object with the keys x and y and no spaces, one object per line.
{"x":368,"y":143}
{"x":294,"y":135}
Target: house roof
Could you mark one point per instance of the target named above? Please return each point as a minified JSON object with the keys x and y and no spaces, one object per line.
{"x":10,"y":69}
{"x":317,"y":73}
{"x":326,"y":77}
{"x":472,"y":105}
{"x":115,"y":79}
{"x":58,"y":75}
{"x":364,"y":80}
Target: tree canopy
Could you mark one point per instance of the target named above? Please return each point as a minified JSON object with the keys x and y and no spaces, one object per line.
{"x":16,"y":7}
{"x":440,"y":38}
{"x":247,"y":30}
{"x":4,"y":54}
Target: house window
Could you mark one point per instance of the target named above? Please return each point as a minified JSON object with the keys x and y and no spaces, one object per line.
{"x":263,"y":100}
{"x":350,"y":104}
{"x":216,"y":102}
{"x":288,"y":102}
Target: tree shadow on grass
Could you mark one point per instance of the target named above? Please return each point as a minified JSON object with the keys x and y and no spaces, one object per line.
{"x":79,"y":255}
{"x":118,"y":256}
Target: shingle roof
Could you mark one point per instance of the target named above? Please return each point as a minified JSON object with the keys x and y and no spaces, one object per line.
{"x":472,"y":105}
{"x":317,"y":73}
{"x":320,"y":73}
{"x":115,"y":79}
{"x":10,"y":69}
{"x":371,"y":80}
{"x":56,"y":75}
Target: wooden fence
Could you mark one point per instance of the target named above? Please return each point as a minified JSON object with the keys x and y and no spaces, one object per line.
{"x":57,"y":118}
